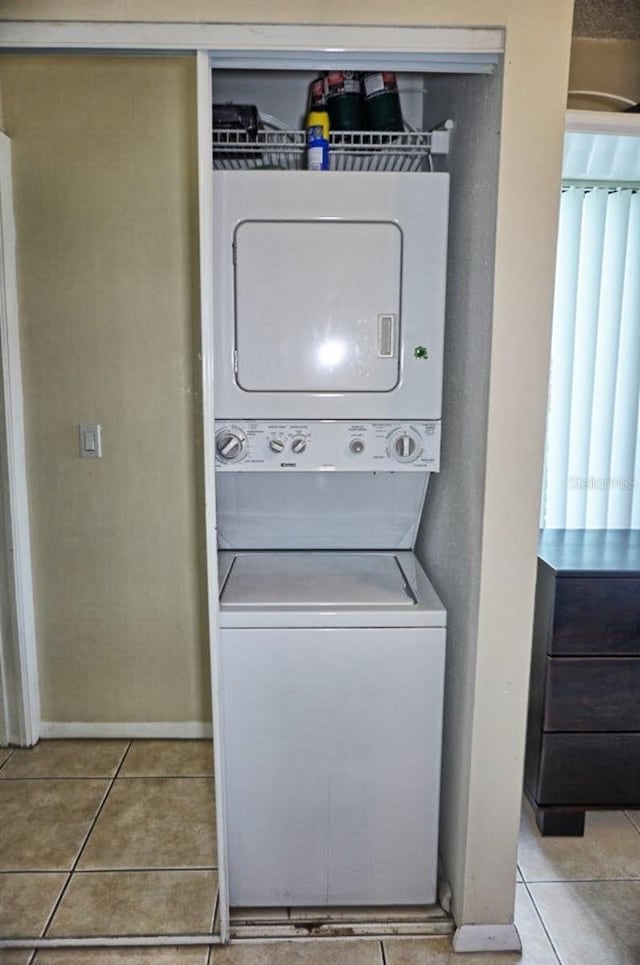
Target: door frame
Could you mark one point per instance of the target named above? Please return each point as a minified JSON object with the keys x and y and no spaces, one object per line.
{"x":458,"y":49}
{"x":19,"y":686}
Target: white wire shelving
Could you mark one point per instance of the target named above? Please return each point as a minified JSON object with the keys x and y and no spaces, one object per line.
{"x":348,"y":150}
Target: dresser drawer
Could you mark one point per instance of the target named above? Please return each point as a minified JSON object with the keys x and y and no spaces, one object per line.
{"x":596,"y":616}
{"x":589,"y":769}
{"x":592,"y":694}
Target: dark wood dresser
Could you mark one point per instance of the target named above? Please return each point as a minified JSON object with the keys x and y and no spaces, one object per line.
{"x":583,"y":737}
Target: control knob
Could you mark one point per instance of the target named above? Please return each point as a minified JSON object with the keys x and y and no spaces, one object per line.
{"x":231,"y":445}
{"x":276,"y":445}
{"x":299,"y":444}
{"x":404,"y":446}
{"x":356,"y":446}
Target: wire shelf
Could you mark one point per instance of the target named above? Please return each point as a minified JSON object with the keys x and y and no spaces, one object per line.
{"x":348,"y":150}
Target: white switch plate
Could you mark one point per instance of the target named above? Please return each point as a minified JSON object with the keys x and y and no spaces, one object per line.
{"x":90,"y":438}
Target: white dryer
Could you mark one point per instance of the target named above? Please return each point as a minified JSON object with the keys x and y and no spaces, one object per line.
{"x":333,"y":668}
{"x":330,"y":291}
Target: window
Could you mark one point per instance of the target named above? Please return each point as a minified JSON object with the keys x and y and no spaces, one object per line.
{"x":592,"y":458}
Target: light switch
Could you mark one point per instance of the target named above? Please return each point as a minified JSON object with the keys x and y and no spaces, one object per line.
{"x":90,"y":440}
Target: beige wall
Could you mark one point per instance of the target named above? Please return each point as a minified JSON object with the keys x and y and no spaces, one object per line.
{"x":105,"y":201}
{"x":612,"y":66}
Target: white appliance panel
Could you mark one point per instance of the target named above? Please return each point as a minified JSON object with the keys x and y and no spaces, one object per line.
{"x":332,"y":747}
{"x":257,"y":446}
{"x":317,"y":306}
{"x":319,"y":510}
{"x":351,"y":356}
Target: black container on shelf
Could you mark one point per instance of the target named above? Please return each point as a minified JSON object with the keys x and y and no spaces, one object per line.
{"x":236,"y":117}
{"x":235,"y":124}
{"x":381,"y":101}
{"x":317,"y":95}
{"x":344,"y":100}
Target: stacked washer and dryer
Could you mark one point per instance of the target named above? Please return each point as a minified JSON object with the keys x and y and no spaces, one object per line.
{"x":329,"y":317}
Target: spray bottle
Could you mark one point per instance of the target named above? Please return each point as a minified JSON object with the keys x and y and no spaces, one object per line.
{"x":317,"y":128}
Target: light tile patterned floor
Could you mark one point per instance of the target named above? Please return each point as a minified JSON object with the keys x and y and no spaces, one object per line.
{"x":118,"y":837}
{"x":110,"y":837}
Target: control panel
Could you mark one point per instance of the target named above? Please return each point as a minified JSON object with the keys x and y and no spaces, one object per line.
{"x":329,"y":446}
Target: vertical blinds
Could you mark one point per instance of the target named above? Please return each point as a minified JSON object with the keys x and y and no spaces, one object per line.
{"x":592,"y":459}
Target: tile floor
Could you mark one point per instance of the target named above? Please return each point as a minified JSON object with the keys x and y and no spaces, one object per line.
{"x":111,"y":837}
{"x":117,"y":838}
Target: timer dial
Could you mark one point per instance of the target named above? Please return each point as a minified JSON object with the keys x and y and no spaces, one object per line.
{"x":404,"y":445}
{"x":231,"y":445}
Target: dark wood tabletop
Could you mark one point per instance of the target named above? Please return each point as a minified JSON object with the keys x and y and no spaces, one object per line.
{"x":591,"y":552}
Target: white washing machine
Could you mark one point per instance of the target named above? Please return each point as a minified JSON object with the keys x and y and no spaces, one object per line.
{"x":333,"y":668}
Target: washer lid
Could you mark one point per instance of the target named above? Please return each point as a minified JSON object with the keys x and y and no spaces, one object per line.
{"x":317,"y":579}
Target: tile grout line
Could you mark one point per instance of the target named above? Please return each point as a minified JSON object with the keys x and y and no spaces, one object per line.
{"x":575,"y":881}
{"x":141,"y":870}
{"x":65,"y":887}
{"x":542,"y":921}
{"x":631,"y":822}
{"x":98,"y":777}
{"x":215,"y":909}
{"x":11,"y":753}
{"x":168,"y":777}
{"x":101,"y":807}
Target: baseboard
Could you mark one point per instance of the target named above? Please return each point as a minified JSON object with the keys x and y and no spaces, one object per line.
{"x":182,"y":729}
{"x":487,"y":938}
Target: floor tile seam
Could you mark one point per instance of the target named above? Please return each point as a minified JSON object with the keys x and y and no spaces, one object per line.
{"x":543,"y":923}
{"x":83,"y":843}
{"x":135,"y":935}
{"x":43,"y":930}
{"x":578,"y":881}
{"x":87,"y":943}
{"x":108,"y":777}
{"x":106,"y":940}
{"x":215,"y":909}
{"x":96,"y":816}
{"x":160,"y":869}
{"x":169,"y":777}
{"x":35,"y":871}
{"x":111,"y":870}
{"x":70,"y":777}
{"x":383,"y":954}
{"x":12,"y":751}
{"x":57,"y":777}
{"x":123,"y":758}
